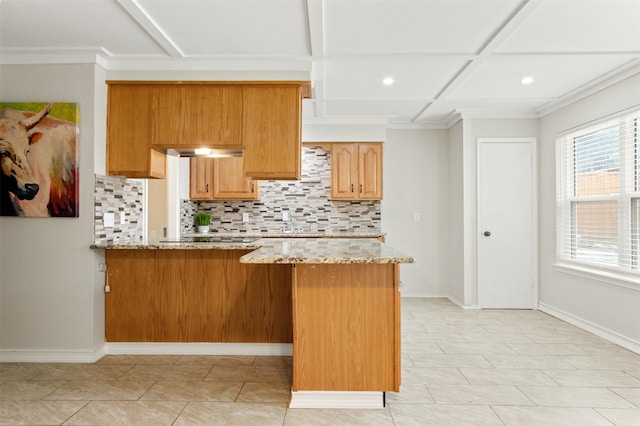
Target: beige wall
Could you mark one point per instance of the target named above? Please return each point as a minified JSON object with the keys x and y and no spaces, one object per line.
{"x":416,"y":175}
{"x":605,"y":306}
{"x":51,"y":299}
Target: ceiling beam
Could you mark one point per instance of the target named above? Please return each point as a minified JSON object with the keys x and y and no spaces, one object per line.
{"x":133,"y":8}
{"x":498,"y":37}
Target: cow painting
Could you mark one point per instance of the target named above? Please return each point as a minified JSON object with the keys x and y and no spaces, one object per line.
{"x":38,"y":160}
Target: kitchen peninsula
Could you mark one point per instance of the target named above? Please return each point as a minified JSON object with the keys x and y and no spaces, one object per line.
{"x":336,"y":299}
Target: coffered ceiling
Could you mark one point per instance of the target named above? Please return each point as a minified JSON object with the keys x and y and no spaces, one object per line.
{"x":445,"y":57}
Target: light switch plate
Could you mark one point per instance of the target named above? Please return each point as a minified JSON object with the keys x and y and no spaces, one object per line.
{"x":109,"y":220}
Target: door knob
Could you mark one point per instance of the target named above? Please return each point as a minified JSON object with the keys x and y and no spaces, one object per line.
{"x":487,"y":233}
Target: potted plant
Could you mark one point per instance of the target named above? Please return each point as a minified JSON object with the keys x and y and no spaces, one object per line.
{"x":203,"y":219}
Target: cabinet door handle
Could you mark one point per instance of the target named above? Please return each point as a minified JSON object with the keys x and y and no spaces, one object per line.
{"x":361,"y":188}
{"x":252,"y":188}
{"x":351,"y":187}
{"x":207,"y":187}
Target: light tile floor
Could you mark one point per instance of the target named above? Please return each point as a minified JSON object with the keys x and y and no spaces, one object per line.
{"x":487,"y":367}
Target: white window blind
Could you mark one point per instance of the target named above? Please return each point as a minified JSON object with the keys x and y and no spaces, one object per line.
{"x":598,"y":195}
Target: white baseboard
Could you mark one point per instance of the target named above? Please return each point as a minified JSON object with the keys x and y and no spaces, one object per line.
{"x":336,"y":399}
{"x":461,"y":304}
{"x":276,"y":349}
{"x":51,"y":356}
{"x":606,"y":334}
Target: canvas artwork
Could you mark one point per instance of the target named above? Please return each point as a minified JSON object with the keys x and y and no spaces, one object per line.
{"x":39,"y":159}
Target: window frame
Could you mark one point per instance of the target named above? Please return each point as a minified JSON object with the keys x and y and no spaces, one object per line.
{"x":627,"y":266}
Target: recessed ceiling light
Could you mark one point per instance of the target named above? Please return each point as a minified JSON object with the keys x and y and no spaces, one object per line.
{"x":387,"y":81}
{"x":527,"y":80}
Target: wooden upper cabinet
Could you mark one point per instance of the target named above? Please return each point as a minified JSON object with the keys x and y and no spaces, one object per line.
{"x":200,"y":174}
{"x":230,"y":182}
{"x":356,"y":171}
{"x":129,"y":122}
{"x":271,"y":126}
{"x":344,"y":171}
{"x":370,"y":171}
{"x":220,"y":179}
{"x":193,"y":116}
{"x":264,"y":118}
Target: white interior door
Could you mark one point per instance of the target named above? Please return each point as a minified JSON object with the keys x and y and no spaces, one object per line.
{"x":507,"y":240}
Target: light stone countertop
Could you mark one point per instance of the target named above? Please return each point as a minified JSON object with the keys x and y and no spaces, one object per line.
{"x":289,"y":250}
{"x":324,"y":250}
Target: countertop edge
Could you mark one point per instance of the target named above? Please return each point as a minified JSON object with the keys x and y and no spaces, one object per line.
{"x":263,"y":251}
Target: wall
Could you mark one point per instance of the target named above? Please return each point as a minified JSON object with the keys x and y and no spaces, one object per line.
{"x":606,"y":307}
{"x":455,"y":227}
{"x":416,"y":176}
{"x":50,"y":289}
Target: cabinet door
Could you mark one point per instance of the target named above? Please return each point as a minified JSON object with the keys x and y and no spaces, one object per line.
{"x":200,"y":173}
{"x":129,"y":150}
{"x":271,"y":126}
{"x":192,"y":116}
{"x":229,"y":181}
{"x":370,"y":171}
{"x":344,"y":171}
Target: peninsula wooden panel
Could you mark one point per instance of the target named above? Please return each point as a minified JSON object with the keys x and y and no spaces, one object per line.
{"x":196,"y":296}
{"x":346,"y":327}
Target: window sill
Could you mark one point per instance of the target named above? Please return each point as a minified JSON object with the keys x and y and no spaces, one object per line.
{"x":617,"y":279}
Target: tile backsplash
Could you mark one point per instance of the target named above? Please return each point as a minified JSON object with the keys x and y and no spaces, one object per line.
{"x":116,"y":195}
{"x":307,"y":201}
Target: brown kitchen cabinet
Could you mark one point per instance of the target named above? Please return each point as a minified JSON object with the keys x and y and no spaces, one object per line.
{"x":173,"y":296}
{"x":263,"y":118}
{"x":356,"y":171}
{"x":221,"y":179}
{"x":193,"y":116}
{"x":200,"y":175}
{"x":271,"y":126}
{"x":346,"y":327}
{"x":129,"y":121}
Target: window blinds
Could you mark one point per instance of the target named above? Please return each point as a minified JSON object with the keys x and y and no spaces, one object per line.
{"x":598,"y":198}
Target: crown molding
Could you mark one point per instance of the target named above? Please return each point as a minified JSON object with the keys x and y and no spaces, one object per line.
{"x":621,"y":73}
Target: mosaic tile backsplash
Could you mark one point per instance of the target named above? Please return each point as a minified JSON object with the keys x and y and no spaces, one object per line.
{"x":113,"y":194}
{"x":307,"y":202}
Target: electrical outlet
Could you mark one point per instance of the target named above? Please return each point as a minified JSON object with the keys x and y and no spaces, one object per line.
{"x":245,"y":217}
{"x":416,"y":217}
{"x":285,"y":216}
{"x":122,"y":218}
